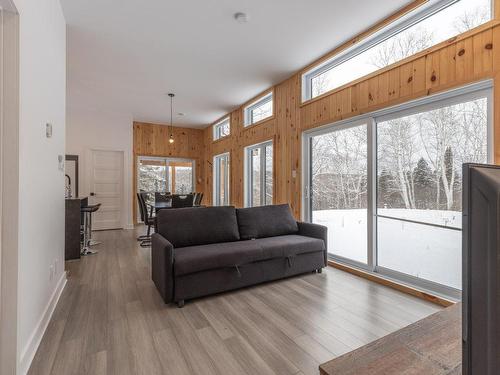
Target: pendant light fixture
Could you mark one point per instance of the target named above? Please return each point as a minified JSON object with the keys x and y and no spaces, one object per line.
{"x":171,"y":139}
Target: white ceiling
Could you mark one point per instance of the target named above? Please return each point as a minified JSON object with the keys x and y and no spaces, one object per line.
{"x":125,"y":55}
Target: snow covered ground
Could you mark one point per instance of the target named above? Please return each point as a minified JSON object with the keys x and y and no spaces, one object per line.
{"x":419,"y":250}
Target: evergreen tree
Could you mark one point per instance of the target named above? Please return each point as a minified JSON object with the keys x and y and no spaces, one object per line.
{"x":423,"y":175}
{"x":385,"y":189}
{"x":423,"y":178}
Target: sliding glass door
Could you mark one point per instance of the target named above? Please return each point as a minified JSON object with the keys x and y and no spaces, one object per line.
{"x":388,"y":185}
{"x":338,"y":192}
{"x":172,"y":175}
{"x":419,"y":186}
{"x":221,"y":180}
{"x":259,"y":175}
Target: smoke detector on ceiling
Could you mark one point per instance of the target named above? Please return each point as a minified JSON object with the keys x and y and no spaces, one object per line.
{"x":241,"y":17}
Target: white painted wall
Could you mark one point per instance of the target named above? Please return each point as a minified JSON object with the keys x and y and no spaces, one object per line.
{"x":42,"y":99}
{"x":89,"y":129}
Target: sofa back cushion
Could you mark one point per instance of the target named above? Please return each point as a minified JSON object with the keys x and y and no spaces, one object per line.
{"x":266,"y":221}
{"x":198,"y":226}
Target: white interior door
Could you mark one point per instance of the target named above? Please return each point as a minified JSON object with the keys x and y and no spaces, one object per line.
{"x":106,"y":188}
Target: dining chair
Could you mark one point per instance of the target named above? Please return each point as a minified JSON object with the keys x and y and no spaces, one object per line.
{"x":148,"y":219}
{"x":181,"y":201}
{"x":163,"y":197}
{"x":198,"y":199}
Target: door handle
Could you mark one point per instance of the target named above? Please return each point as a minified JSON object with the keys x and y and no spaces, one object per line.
{"x":92,"y":194}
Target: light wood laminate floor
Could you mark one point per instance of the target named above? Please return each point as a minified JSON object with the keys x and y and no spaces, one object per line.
{"x":111,"y":320}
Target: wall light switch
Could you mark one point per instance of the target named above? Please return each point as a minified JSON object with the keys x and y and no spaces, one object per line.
{"x":60,"y":159}
{"x":48,"y":130}
{"x":294,"y":173}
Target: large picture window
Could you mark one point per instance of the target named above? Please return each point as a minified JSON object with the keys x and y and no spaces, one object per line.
{"x":428,"y":25}
{"x":259,"y":175}
{"x":388,"y":185}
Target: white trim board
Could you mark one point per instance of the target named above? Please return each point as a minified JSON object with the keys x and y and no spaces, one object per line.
{"x":29,"y":351}
{"x":9,"y":137}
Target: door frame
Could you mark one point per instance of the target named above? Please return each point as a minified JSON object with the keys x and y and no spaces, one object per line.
{"x":88,"y":172}
{"x":227,"y":179}
{"x":248,"y":177}
{"x":9,"y":187}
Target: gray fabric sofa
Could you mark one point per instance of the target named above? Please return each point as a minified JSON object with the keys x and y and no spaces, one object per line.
{"x":201,"y":251}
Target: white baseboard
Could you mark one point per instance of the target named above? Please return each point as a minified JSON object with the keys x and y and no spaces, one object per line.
{"x":31,"y":347}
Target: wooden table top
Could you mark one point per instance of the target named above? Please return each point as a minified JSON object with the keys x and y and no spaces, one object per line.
{"x":430,"y":346}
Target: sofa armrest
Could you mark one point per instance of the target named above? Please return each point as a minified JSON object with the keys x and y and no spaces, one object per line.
{"x":315,"y":231}
{"x":162,"y":265}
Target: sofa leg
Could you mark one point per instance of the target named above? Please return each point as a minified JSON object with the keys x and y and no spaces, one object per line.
{"x":180,"y":303}
{"x":320,"y":270}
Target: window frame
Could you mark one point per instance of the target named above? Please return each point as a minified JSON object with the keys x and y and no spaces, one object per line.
{"x":260,"y":101}
{"x":482,"y":89}
{"x":216,"y":179}
{"x":400,"y":24}
{"x":218,"y":126}
{"x":248,"y":175}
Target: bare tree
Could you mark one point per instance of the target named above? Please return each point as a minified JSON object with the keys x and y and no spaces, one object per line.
{"x":339,"y":169}
{"x":320,"y":84}
{"x":472,"y":18}
{"x":401,"y":46}
{"x":398,"y":156}
{"x":437,"y":130}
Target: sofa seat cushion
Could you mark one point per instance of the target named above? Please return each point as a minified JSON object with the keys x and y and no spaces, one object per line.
{"x":230,"y":254}
{"x":266,"y":221}
{"x":218,"y":255}
{"x":290,"y":245}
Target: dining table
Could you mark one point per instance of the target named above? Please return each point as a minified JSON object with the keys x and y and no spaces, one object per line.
{"x":161,"y":205}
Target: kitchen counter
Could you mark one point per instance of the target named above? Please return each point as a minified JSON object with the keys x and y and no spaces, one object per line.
{"x":72,"y":227}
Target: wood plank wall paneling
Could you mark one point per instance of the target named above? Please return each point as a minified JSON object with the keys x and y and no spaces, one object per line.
{"x":450,"y":64}
{"x":152,"y":140}
{"x":468,"y":58}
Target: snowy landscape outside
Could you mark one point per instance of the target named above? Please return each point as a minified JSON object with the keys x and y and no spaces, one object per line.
{"x":419,"y":161}
{"x":430,"y":253}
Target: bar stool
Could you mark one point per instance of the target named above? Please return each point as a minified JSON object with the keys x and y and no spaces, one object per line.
{"x":87,"y":229}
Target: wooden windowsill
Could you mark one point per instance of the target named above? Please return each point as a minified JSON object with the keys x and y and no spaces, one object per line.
{"x":392,"y":284}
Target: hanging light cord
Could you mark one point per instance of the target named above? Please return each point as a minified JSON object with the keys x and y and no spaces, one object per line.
{"x":171,"y":140}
